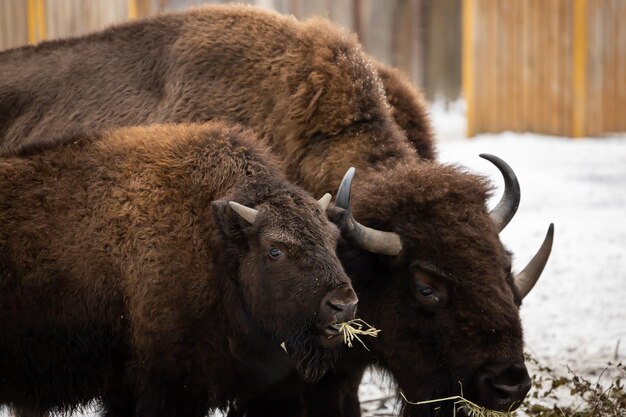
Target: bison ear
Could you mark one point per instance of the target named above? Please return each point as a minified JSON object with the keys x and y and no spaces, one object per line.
{"x":228,"y":222}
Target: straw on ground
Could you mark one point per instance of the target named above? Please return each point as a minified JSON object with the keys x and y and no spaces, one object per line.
{"x":471,"y":409}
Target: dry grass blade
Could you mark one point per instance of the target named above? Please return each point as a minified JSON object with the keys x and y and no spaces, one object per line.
{"x":353,"y":328}
{"x":471,"y":409}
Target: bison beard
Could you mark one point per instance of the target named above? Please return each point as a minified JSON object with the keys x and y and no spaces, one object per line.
{"x":310,"y":359}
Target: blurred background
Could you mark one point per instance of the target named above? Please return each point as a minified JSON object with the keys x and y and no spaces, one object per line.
{"x":546,"y":66}
{"x":540,"y":83}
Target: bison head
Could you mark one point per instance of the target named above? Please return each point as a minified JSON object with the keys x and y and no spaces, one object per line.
{"x":292,"y":283}
{"x":440,"y":287}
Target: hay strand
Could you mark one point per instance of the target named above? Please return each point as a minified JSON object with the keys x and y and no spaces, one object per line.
{"x":471,"y":409}
{"x":353,"y":328}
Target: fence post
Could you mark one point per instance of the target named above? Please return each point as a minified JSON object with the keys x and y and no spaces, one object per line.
{"x":468,"y":65}
{"x":36,"y":21}
{"x":579,"y":70}
{"x":132,"y":9}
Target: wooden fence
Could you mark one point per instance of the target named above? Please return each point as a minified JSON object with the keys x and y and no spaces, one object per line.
{"x":547,"y":66}
{"x":422,"y":37}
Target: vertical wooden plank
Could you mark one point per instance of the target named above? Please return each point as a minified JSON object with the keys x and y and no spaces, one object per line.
{"x":36,"y":21}
{"x":591,"y":74}
{"x":579,"y":75}
{"x":50,"y":20}
{"x":553,"y":115}
{"x":488,"y":71}
{"x":533,"y":64}
{"x":517,"y":65}
{"x":468,"y":72}
{"x":402,"y":39}
{"x":615,"y":75}
{"x":525,"y":63}
{"x":3,"y":25}
{"x":32,"y":24}
{"x":132,"y":9}
{"x":565,"y":31}
{"x":5,"y":18}
{"x":501,"y":122}
{"x":607,"y":67}
{"x":41,"y":19}
{"x":482,"y":98}
{"x":539,"y":59}
{"x":509,"y":52}
{"x":7,"y":24}
{"x":621,"y":68}
{"x":358,"y":19}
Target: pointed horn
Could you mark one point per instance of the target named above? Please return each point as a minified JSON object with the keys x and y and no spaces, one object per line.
{"x":502,"y":214}
{"x":324,"y":201}
{"x":526,"y":280}
{"x":249,"y":214}
{"x":387,"y":243}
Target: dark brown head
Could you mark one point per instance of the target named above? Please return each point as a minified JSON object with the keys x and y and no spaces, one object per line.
{"x":440,"y":287}
{"x":292,"y":283}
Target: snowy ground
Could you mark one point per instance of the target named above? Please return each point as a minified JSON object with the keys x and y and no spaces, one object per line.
{"x":576,"y":315}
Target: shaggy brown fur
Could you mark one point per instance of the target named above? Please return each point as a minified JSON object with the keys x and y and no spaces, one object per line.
{"x":409,"y":110}
{"x":125,"y":275}
{"x":313,"y":96}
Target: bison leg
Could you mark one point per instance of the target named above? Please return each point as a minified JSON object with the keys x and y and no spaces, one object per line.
{"x":118,"y":404}
{"x":164,"y":398}
{"x":336,"y":394}
{"x":284,"y":399}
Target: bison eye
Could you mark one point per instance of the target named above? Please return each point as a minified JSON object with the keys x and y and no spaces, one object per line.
{"x":275,"y":253}
{"x":426,"y":296}
{"x":425,"y":292}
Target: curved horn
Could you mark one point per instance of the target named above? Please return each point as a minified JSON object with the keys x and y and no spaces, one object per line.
{"x":324,"y":201}
{"x":526,"y":280}
{"x":249,"y":214}
{"x":502,"y":214}
{"x":387,"y":243}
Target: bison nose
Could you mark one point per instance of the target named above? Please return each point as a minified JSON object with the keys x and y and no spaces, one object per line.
{"x":344,"y":311}
{"x":336,"y":307}
{"x":341,"y":304}
{"x":503,"y":387}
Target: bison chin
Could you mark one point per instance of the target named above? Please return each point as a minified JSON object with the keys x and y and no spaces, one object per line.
{"x":310,"y":358}
{"x":433,"y":386}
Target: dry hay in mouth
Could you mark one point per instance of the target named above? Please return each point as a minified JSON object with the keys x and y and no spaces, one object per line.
{"x":353,"y":328}
{"x":471,"y":409}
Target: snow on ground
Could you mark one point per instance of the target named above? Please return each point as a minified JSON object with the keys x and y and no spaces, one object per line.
{"x":576,"y":315}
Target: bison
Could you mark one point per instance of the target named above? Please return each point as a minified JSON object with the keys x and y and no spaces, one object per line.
{"x":172,"y":268}
{"x":421,"y":248}
{"x":409,"y":110}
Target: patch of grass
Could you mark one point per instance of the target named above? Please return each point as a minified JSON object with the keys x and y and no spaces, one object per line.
{"x":585,"y":398}
{"x":571,"y":395}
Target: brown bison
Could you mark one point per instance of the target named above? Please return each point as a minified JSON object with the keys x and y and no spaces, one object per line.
{"x":409,"y":110}
{"x":163,"y":266}
{"x":434,"y":277}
